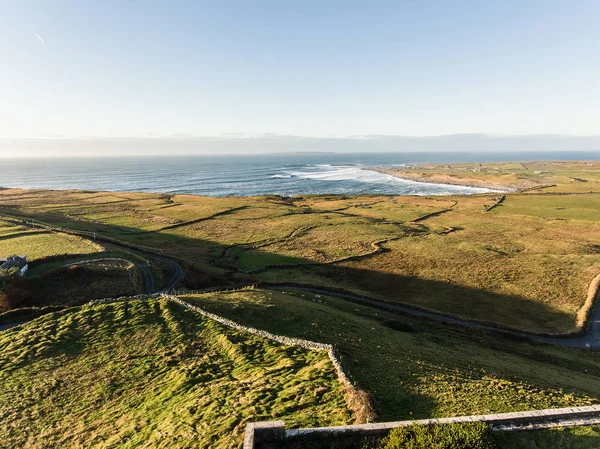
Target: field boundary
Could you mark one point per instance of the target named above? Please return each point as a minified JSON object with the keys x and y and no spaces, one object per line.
{"x":128,"y":263}
{"x":584,"y":315}
{"x":94,"y":238}
{"x":496,"y":204}
{"x":357,"y":400}
{"x":566,"y":339}
{"x":433,"y":214}
{"x":273,"y":433}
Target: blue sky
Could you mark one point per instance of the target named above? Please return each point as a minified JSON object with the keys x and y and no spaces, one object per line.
{"x":303,"y":68}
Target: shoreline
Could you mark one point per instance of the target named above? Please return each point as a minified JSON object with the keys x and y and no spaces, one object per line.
{"x":498,"y":188}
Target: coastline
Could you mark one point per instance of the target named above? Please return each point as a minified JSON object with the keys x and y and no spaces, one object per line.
{"x":417,"y":177}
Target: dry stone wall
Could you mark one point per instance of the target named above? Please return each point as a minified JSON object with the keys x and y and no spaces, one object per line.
{"x":290,"y":341}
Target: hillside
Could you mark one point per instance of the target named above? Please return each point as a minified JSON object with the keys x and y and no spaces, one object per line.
{"x":526,"y":263}
{"x":419,"y":369}
{"x":152,"y":374}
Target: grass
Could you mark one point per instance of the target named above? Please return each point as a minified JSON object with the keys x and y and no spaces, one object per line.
{"x":37,"y":246}
{"x":587,"y":437}
{"x":526,"y":264}
{"x":475,"y":435}
{"x":571,"y":176}
{"x":565,"y":207}
{"x":47,"y":264}
{"x":493,"y":264}
{"x":152,"y":374}
{"x":417,"y":369}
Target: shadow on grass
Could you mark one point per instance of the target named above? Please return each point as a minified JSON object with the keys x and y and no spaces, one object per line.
{"x":374,"y":362}
{"x":210,"y":264}
{"x":446,"y":298}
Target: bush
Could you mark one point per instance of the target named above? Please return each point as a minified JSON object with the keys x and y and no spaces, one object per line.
{"x":476,"y":435}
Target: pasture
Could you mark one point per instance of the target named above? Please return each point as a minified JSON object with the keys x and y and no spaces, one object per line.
{"x":419,"y":369}
{"x":525,"y":264}
{"x":150,"y":373}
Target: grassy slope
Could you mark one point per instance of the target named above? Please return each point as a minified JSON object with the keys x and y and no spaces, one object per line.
{"x":41,"y":245}
{"x":149,"y":373}
{"x":43,"y":266}
{"x":424,"y":369}
{"x":493,"y":264}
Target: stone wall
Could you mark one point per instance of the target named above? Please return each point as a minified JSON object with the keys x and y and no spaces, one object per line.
{"x":106,"y":259}
{"x":274,"y":434}
{"x":290,"y":341}
{"x":359,"y":403}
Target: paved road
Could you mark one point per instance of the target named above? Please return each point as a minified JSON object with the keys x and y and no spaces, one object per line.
{"x":177,"y":273}
{"x":147,"y":279}
{"x":590,"y":340}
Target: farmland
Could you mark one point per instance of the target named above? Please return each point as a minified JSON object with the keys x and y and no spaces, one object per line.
{"x":417,"y":369}
{"x":152,"y":373}
{"x":525,"y":264}
{"x":19,"y":240}
{"x":523,"y":260}
{"x":552,"y":176}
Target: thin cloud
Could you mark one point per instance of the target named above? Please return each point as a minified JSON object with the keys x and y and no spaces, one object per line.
{"x":40,"y":38}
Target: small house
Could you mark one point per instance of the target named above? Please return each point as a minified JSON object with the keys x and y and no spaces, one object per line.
{"x":19,"y":262}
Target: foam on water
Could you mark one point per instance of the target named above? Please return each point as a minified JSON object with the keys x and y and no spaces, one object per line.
{"x":326,"y":172}
{"x":285,"y":175}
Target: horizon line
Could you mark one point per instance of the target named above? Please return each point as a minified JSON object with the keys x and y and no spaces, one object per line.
{"x":249,"y":136}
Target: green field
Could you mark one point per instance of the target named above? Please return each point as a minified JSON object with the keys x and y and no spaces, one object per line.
{"x":70,"y":286}
{"x":160,"y":374}
{"x":525,"y":264}
{"x":152,"y":374}
{"x":38,"y":245}
{"x":565,"y":437}
{"x":418,"y":369}
{"x":47,"y":264}
{"x":553,"y":176}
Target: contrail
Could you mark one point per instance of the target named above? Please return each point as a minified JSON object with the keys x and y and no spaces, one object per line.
{"x":40,"y":39}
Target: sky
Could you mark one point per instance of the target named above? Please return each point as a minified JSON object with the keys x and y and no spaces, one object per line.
{"x":324,"y":70}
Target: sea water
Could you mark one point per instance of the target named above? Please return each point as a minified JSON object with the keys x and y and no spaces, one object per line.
{"x":280,"y":174}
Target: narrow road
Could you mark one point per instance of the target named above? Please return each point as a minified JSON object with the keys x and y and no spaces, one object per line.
{"x":177,"y":274}
{"x":590,"y":340}
{"x":147,"y":278}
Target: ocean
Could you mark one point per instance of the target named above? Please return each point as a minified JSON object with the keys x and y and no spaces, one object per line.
{"x":281,"y":174}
